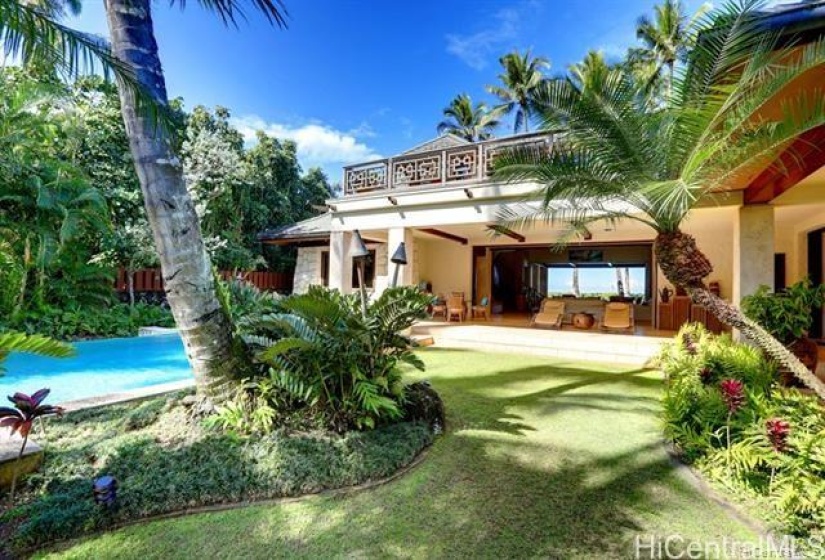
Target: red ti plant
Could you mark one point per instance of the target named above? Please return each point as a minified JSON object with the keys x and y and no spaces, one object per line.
{"x":27,"y":408}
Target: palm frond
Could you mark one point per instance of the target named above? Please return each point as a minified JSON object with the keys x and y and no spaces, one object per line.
{"x":12,"y":341}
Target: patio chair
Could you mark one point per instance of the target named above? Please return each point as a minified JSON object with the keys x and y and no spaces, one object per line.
{"x":439,"y":308}
{"x":455,"y":308}
{"x":551,"y":314}
{"x":481,"y":309}
{"x":617,"y":317}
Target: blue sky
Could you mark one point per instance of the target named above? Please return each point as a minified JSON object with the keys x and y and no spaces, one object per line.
{"x":352,"y":80}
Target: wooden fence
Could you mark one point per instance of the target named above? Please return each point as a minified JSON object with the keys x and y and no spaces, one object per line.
{"x":151,"y":280}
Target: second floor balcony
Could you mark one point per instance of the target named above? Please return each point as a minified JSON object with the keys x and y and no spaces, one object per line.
{"x":446,"y":161}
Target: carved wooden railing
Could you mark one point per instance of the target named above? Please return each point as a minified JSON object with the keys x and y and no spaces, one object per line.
{"x":472,"y":163}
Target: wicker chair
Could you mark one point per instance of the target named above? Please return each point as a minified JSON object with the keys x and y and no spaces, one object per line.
{"x":481,"y":309}
{"x":617,"y":317}
{"x":439,"y":308}
{"x":455,"y":307}
{"x":551,"y":314}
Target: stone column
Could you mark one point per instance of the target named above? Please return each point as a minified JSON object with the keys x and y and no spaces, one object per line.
{"x":753,"y":250}
{"x":340,"y":263}
{"x":407,"y":275}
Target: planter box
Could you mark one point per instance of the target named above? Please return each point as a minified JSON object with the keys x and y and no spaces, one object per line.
{"x":9,"y":448}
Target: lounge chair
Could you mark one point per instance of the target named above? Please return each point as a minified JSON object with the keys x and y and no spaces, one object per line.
{"x":551,"y":314}
{"x":617,"y":317}
{"x":481,"y":309}
{"x":455,"y":307}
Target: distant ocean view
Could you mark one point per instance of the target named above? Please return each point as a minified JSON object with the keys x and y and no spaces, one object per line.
{"x":595,"y":280}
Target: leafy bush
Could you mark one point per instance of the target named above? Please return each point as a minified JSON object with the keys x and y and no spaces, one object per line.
{"x":786,"y":315}
{"x":769,"y":445}
{"x":164,"y":462}
{"x":335,"y":361}
{"x":74,"y":321}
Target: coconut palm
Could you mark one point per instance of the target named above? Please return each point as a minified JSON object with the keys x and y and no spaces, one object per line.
{"x":472,"y":122}
{"x":625,"y":156}
{"x":520,"y":81}
{"x":667,"y":38}
{"x":592,"y":69}
{"x":34,"y":35}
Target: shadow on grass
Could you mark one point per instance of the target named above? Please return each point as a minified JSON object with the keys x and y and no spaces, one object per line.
{"x":551,"y":461}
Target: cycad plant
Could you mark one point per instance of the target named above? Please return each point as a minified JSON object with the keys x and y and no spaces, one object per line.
{"x":471,"y":122}
{"x":339,"y":362}
{"x":628,"y":156}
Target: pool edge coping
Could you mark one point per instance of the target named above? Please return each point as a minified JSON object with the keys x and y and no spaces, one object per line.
{"x":127,"y":396}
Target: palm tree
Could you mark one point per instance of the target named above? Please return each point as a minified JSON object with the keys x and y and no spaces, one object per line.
{"x":626,"y":156}
{"x":520,"y":80}
{"x":33,"y":34}
{"x":473,"y":123}
{"x":590,"y":71}
{"x":667,"y":39}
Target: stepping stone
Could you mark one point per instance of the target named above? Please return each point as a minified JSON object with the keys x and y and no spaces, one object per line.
{"x":9,"y":448}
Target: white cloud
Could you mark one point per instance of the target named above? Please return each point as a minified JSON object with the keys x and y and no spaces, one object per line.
{"x":475,"y":49}
{"x":318,"y":144}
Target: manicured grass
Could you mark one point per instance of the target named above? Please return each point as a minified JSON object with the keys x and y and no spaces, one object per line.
{"x":540,"y":459}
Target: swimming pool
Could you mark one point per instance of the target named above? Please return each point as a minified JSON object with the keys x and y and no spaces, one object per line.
{"x":100,"y":367}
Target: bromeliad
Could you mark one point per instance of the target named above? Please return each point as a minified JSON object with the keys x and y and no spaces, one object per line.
{"x":27,"y":408}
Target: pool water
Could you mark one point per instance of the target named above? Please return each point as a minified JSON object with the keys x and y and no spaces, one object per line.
{"x":100,"y":367}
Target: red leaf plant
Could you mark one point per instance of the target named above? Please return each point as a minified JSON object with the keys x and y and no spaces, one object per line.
{"x":27,"y":409}
{"x":778,"y":432}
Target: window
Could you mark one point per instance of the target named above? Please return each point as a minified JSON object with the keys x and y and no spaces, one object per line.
{"x":599,"y":280}
{"x":325,"y":267}
{"x":369,"y":271}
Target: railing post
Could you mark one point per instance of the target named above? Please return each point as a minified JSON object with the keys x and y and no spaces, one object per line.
{"x":443,"y":167}
{"x":481,"y":165}
{"x":345,"y":181}
{"x":389,"y":174}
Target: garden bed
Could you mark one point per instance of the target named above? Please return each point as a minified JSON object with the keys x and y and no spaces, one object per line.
{"x":761,"y":444}
{"x":164,"y":463}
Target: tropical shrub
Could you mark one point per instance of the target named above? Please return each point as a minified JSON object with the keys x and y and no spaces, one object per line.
{"x":725,"y":413}
{"x":75,"y":321}
{"x":324,"y":357}
{"x":786,"y":315}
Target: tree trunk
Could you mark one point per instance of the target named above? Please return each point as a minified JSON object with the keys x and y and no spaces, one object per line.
{"x":576,"y":290}
{"x":185,"y":264}
{"x":685,"y":265}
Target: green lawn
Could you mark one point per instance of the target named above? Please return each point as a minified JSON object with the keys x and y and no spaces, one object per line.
{"x":541,"y":459}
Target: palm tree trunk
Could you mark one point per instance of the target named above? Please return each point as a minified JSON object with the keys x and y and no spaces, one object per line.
{"x":576,"y":290}
{"x":683,"y":264}
{"x":185,"y":264}
{"x":733,"y":317}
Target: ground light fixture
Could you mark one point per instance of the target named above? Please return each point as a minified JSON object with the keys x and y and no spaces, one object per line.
{"x":105,"y":491}
{"x":359,"y":253}
{"x":399,"y":258}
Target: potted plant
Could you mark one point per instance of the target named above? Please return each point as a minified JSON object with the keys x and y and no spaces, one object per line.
{"x":788,"y":315}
